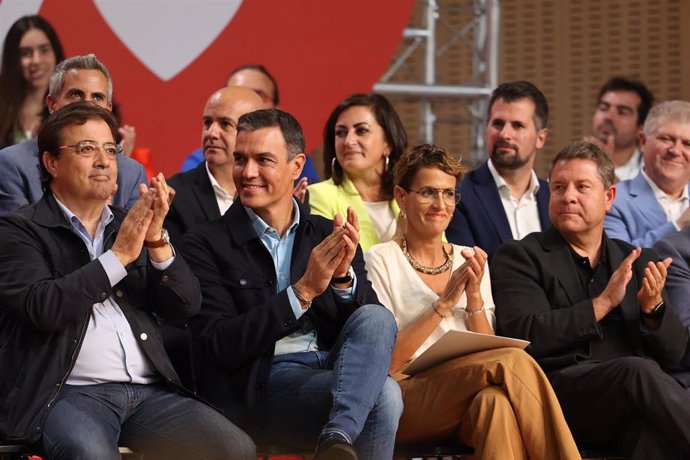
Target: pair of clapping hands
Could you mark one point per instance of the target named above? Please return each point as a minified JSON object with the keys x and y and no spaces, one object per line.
{"x":466,"y":278}
{"x":332,"y":257}
{"x":649,"y":295}
{"x":144,"y":222}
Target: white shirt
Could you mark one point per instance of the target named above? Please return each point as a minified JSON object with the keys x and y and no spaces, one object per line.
{"x":401,"y":290}
{"x":523,"y":214}
{"x":223,"y":198}
{"x":673,"y":207}
{"x":382,"y":217}
{"x":630,"y":169}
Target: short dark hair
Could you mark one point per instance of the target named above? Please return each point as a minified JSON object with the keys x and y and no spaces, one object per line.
{"x":583,"y":150}
{"x":269,"y":118}
{"x":50,"y":134}
{"x":425,"y":156}
{"x":516,"y":90}
{"x":634,"y":86}
{"x":393,"y":129}
{"x":263,"y":70}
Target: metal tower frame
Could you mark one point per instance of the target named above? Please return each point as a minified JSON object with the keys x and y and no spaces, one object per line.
{"x":484,"y":29}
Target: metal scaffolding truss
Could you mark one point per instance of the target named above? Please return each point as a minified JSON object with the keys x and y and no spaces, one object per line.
{"x":481,"y":33}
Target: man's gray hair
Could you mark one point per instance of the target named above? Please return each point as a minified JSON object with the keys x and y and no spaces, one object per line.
{"x":86,"y":62}
{"x":667,"y":112}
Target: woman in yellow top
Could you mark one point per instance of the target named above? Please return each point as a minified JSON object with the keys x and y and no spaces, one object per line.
{"x":363,"y":139}
{"x":498,"y":401}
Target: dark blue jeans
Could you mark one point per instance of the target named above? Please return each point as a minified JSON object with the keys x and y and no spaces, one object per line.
{"x":345,"y":390}
{"x":89,"y":422}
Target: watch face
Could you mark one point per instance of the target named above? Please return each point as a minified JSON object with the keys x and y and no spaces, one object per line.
{"x":165,"y":236}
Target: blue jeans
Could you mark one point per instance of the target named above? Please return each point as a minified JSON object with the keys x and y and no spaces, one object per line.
{"x":345,"y":390}
{"x":89,"y":422}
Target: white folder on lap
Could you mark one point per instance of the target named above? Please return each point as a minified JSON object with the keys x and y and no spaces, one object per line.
{"x":459,"y":343}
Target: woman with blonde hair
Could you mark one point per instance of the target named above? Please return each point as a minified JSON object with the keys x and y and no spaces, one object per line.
{"x":497,"y":401}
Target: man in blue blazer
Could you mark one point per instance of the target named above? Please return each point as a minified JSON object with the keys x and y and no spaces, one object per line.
{"x":656,"y":203}
{"x":503,"y":199}
{"x":79,"y":78}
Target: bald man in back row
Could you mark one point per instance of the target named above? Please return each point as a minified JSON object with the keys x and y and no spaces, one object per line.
{"x":207,"y":191}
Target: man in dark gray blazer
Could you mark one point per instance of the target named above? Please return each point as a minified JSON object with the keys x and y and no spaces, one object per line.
{"x":598,"y":317}
{"x":207,"y":191}
{"x":79,"y":78}
{"x":677,"y":247}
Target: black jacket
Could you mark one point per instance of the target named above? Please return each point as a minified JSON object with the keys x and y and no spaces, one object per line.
{"x":195,"y":202}
{"x":48,"y":285}
{"x":538,"y":297}
{"x":242,"y":316}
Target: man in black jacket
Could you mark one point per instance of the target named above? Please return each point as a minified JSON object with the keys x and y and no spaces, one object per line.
{"x":83,"y":365}
{"x":295,"y":345}
{"x":597,"y":315}
{"x":207,"y":191}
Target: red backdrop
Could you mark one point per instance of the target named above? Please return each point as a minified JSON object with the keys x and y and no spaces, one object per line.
{"x":320,"y":51}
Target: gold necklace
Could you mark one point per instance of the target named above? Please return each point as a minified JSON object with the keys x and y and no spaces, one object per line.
{"x":427,"y":270}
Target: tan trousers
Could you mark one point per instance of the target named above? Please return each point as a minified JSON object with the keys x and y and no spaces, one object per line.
{"x":497,"y":401}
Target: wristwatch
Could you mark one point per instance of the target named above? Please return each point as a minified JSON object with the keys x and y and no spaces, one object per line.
{"x":344,"y":279}
{"x":164,"y":241}
{"x":657,"y":312}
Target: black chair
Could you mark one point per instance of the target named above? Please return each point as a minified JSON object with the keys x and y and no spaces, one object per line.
{"x":14,"y":451}
{"x":404,"y":451}
{"x":436,"y":450}
{"x":24,"y":451}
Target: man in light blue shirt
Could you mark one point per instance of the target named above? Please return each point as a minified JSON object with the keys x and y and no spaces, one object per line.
{"x":84,"y":368}
{"x":295,"y":346}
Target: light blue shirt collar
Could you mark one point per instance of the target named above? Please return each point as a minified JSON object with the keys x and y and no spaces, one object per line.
{"x":262,"y":228}
{"x":106,"y":217}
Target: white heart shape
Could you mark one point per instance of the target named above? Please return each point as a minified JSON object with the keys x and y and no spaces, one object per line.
{"x":167,"y":35}
{"x":11,"y":10}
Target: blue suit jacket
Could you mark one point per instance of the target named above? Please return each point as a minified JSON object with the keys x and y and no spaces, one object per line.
{"x":20,"y":179}
{"x":636,"y":216}
{"x":479,"y":218}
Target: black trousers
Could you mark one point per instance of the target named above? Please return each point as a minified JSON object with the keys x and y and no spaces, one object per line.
{"x":629,"y":404}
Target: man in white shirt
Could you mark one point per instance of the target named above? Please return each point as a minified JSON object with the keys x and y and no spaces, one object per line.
{"x":655,"y":203}
{"x":503,"y":199}
{"x":207,"y":191}
{"x":622,"y":107}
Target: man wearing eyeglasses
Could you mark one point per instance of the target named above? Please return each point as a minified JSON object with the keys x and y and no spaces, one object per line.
{"x":503,"y":199}
{"x":79,"y":78}
{"x":83,"y":364}
{"x":656,"y":203}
